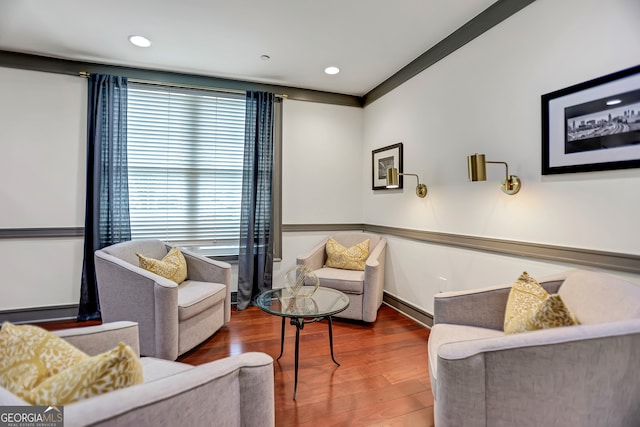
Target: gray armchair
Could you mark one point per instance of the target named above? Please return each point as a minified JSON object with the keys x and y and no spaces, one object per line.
{"x":234,"y":391}
{"x":172,"y":318}
{"x":584,"y":375}
{"x":363,"y":288}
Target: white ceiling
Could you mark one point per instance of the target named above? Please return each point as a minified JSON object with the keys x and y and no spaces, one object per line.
{"x":369,"y":40}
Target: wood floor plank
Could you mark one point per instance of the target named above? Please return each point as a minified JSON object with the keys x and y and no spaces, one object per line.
{"x":406,"y":412}
{"x":347,"y":405}
{"x":383,"y":379}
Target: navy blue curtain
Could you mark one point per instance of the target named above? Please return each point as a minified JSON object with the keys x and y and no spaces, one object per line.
{"x":107,"y":202}
{"x":255,"y":260}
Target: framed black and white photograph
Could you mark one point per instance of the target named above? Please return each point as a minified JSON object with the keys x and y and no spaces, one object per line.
{"x":383,"y":159}
{"x":593,"y":126}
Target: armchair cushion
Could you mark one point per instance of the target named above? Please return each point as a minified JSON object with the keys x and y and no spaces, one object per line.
{"x":30,"y":354}
{"x":347,"y":258}
{"x":347,"y":281}
{"x":531,"y":307}
{"x":154,"y":369}
{"x":115,"y":369}
{"x":172,"y":266}
{"x":195,"y":297}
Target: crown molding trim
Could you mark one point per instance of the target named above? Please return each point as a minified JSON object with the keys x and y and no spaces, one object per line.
{"x":26,"y":61}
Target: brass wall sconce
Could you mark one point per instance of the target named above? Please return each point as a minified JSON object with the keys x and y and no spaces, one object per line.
{"x":477,"y":168}
{"x":392,"y":181}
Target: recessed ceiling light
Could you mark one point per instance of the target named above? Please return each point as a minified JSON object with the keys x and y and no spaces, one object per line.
{"x":140,"y":41}
{"x":332,"y":70}
{"x":614,"y":101}
{"x":265,"y":57}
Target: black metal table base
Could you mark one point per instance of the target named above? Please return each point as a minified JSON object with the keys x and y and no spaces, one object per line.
{"x":299,"y":323}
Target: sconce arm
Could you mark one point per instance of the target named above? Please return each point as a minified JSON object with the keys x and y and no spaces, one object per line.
{"x":421,"y":189}
{"x":411,"y":174}
{"x":506,"y":166}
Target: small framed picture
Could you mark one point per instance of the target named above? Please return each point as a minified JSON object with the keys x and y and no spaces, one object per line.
{"x":383,"y":159}
{"x":593,"y":126}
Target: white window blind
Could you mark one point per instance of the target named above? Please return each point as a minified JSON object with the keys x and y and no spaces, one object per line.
{"x":185,"y":154}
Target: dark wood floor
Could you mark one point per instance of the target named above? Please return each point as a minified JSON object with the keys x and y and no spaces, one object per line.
{"x":383,"y":379}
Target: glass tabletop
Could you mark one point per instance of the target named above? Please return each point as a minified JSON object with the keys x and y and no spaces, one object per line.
{"x":324,"y":302}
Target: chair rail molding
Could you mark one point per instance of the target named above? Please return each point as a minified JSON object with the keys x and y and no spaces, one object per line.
{"x":628,"y":263}
{"x":39,"y":233}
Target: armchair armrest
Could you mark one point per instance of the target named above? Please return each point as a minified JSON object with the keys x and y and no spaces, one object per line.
{"x":314,"y":259}
{"x":374,"y":282}
{"x":236,"y":390}
{"x":539,"y":338}
{"x":206,"y":269}
{"x":377,"y":255}
{"x":100,"y":338}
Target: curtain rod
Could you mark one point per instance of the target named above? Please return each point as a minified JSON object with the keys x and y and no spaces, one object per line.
{"x":184,"y":86}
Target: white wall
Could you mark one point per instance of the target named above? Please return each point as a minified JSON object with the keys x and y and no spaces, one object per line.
{"x":485,"y":98}
{"x":42,"y":136}
{"x":321,"y":163}
{"x":321,"y":169}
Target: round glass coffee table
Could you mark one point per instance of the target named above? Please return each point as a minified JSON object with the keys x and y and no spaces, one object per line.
{"x":301,"y":310}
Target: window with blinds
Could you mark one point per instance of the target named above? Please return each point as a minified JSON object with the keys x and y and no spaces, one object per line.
{"x":185,"y":153}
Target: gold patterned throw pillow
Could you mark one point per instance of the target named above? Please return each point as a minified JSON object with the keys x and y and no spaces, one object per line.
{"x":530,"y":307}
{"x":173,"y":266}
{"x":112,"y":370}
{"x":30,"y":354}
{"x":353,"y":258}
